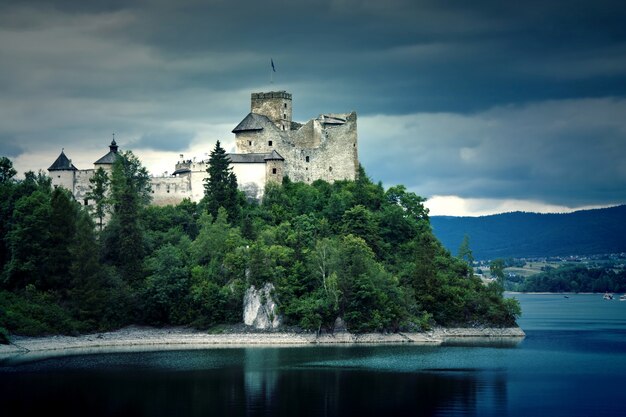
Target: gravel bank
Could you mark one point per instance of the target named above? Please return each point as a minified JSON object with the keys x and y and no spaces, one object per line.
{"x":149,"y":338}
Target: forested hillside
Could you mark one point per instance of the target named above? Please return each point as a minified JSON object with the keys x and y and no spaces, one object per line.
{"x":518,"y":235}
{"x":350,"y":249}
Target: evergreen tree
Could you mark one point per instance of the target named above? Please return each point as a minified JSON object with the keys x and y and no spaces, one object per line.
{"x":220,"y":188}
{"x":465,"y":253}
{"x":7,"y":191}
{"x":124,"y":235}
{"x":98,"y":188}
{"x":62,"y":227}
{"x":28,"y":241}
{"x":7,"y":172}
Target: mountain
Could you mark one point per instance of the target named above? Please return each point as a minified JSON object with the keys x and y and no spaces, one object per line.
{"x":519,"y":234}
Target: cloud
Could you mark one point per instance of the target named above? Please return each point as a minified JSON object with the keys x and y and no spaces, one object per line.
{"x":566,"y":153}
{"x":450,"y":205}
{"x":487,"y":100}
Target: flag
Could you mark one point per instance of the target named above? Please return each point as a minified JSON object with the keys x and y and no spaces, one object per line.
{"x":272,"y":62}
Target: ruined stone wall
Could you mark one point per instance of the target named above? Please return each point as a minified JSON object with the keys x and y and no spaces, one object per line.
{"x":315,"y":151}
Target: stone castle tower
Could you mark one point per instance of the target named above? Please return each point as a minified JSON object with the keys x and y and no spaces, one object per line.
{"x":322,"y":148}
{"x":268,"y":144}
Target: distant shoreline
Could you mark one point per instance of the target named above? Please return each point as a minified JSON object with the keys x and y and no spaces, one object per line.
{"x":136,"y":338}
{"x":555,"y":293}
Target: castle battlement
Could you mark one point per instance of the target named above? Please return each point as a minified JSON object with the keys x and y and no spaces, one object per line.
{"x":271,"y":94}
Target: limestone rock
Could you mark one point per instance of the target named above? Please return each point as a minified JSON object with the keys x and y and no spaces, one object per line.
{"x":259,"y":308}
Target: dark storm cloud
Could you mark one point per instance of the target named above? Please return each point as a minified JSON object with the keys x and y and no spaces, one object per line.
{"x":533,"y":90}
{"x":566,"y":152}
{"x":162,"y":141}
{"x":9,"y":146}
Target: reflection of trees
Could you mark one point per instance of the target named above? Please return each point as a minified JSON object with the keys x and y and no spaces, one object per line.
{"x":260,"y":370}
{"x":253,"y":382}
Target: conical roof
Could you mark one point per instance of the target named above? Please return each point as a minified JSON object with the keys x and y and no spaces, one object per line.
{"x":62,"y":164}
{"x":111,"y":156}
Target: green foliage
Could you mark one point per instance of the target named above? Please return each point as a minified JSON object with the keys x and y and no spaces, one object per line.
{"x":4,"y":336}
{"x":7,"y":172}
{"x":166,"y":289}
{"x":98,"y":192}
{"x":348,"y":249}
{"x":576,"y":278}
{"x":465,"y":252}
{"x":124,"y":235}
{"x":31,"y":313}
{"x":28,"y":240}
{"x":496,"y":268}
{"x":220,"y":188}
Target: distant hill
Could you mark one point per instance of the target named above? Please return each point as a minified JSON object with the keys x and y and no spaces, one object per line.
{"x":519,"y":234}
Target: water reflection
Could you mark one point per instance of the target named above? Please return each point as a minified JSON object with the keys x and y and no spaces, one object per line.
{"x":252,"y":382}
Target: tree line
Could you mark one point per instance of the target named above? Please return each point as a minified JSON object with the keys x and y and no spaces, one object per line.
{"x":575,"y":278}
{"x":349,"y":249}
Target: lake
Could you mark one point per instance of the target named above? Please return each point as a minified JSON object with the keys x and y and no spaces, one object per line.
{"x":572,"y":363}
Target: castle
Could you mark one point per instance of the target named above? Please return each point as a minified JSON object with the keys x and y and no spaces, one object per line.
{"x":268,"y":144}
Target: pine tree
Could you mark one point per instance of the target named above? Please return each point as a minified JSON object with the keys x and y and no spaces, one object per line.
{"x":98,"y":188}
{"x":124,"y":235}
{"x":220,"y":188}
{"x":62,"y":229}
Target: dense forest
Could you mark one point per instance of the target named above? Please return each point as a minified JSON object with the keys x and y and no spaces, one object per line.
{"x":527,"y":235}
{"x":574,"y":278}
{"x":349,"y":249}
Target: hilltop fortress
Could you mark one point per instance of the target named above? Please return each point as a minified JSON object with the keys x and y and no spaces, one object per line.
{"x":268,"y":144}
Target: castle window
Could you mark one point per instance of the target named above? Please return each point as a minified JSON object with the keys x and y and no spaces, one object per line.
{"x":285,"y":104}
{"x":307,"y":159}
{"x":284,"y":116}
{"x":273,"y":170}
{"x":330,"y":169}
{"x":249,"y":143}
{"x":269,"y":143}
{"x":86,"y":201}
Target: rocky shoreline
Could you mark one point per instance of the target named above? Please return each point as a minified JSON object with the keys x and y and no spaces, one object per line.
{"x":137,"y":338}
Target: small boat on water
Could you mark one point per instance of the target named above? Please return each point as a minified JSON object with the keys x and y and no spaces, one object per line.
{"x":622,"y":297}
{"x":608,"y":296}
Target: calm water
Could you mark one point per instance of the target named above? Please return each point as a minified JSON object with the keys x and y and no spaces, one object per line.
{"x":572,"y":363}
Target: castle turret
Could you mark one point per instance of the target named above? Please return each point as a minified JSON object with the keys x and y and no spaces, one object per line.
{"x":62,"y":172}
{"x":276,"y":105}
{"x":107,"y":161}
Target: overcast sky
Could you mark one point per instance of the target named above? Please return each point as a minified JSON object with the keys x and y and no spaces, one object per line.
{"x":482,"y":106}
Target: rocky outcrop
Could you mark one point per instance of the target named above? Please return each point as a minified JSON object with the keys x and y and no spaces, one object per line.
{"x":259,"y":308}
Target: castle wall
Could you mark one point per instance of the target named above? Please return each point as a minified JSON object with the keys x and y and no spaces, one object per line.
{"x":63,"y":179}
{"x":274,"y":171}
{"x":250,"y":178}
{"x":170,"y":190}
{"x":82,"y":184}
